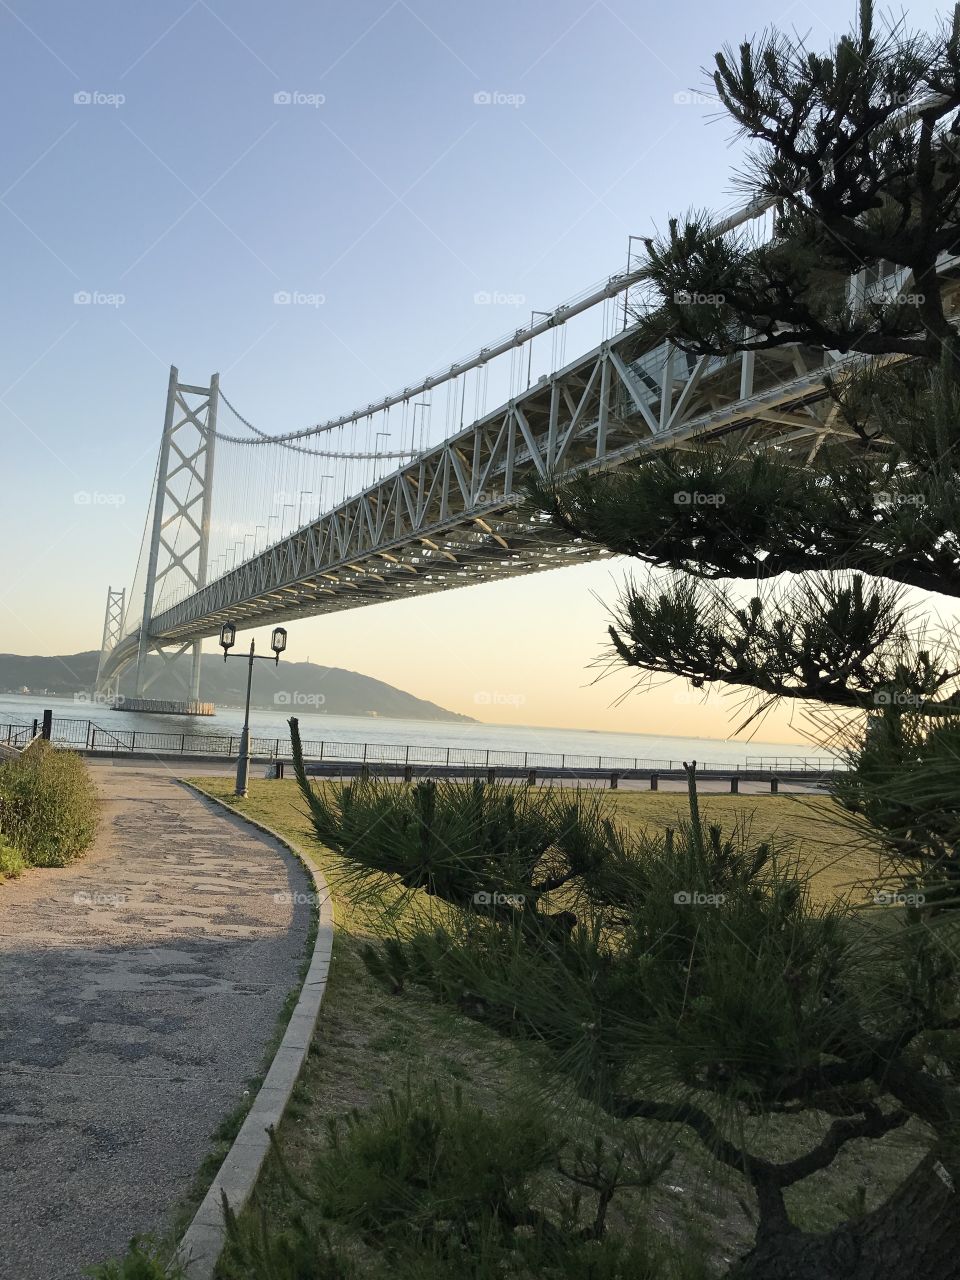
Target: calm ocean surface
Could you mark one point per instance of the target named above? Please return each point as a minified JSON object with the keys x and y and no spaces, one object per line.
{"x":316,"y":727}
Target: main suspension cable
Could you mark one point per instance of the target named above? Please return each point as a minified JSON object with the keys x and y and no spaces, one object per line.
{"x":264,"y":438}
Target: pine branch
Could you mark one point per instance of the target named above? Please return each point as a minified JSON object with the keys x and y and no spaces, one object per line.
{"x":826,"y":640}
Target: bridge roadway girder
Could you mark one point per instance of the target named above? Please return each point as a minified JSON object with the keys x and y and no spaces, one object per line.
{"x":452,"y":517}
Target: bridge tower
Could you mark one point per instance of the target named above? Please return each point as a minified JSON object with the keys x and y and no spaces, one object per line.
{"x":112,"y":631}
{"x":181,"y":504}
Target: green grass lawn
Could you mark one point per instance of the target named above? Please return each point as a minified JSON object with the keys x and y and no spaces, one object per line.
{"x":368,"y":1041}
{"x":829,"y":847}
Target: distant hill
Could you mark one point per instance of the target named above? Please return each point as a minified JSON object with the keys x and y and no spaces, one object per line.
{"x":297,"y":686}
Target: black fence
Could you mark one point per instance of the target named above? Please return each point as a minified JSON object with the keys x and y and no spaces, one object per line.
{"x":85,"y":735}
{"x":16,"y":735}
{"x":795,"y":764}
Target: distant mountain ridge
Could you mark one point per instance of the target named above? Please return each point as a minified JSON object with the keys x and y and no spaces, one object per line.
{"x":297,"y":686}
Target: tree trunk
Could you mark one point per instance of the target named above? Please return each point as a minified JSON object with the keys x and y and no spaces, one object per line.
{"x":915,"y":1232}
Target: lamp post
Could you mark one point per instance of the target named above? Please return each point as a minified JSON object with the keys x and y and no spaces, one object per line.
{"x":381,"y":435}
{"x":424,"y":405}
{"x":304,"y":493}
{"x":228,"y":638}
{"x":533,"y":316}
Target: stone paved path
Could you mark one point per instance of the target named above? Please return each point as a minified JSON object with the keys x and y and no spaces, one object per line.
{"x":139,"y":989}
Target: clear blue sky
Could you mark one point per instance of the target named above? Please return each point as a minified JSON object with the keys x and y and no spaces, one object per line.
{"x":198,"y":197}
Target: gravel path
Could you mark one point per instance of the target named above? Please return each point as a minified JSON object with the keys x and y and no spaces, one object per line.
{"x":139,"y":989}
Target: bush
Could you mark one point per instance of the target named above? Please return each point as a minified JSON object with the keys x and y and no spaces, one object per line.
{"x":48,"y":806}
{"x":12,"y":861}
{"x":144,"y":1260}
{"x":428,"y":1187}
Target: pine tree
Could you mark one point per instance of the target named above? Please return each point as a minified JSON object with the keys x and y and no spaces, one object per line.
{"x":857,"y":151}
{"x":759,"y":1004}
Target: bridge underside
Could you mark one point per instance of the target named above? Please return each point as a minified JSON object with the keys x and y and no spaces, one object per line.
{"x":453,"y":517}
{"x":532,"y":551}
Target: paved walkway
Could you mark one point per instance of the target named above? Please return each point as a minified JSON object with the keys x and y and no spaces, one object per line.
{"x":139,"y":989}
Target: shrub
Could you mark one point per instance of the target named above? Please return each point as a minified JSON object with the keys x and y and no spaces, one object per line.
{"x":48,"y":806}
{"x":700,"y":986}
{"x":12,"y":861}
{"x":426,"y":1186}
{"x":144,"y":1260}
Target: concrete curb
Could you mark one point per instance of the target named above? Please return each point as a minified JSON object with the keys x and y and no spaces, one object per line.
{"x":203,"y":1241}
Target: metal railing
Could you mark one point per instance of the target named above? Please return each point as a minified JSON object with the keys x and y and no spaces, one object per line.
{"x":86,"y":735}
{"x":16,"y":735}
{"x":791,"y":764}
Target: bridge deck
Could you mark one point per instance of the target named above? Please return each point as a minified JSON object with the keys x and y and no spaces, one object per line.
{"x":454,"y":516}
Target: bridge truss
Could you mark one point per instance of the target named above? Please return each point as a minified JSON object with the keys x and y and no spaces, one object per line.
{"x":452,"y":515}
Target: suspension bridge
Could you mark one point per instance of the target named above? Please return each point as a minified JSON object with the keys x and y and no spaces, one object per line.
{"x":420,"y":491}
